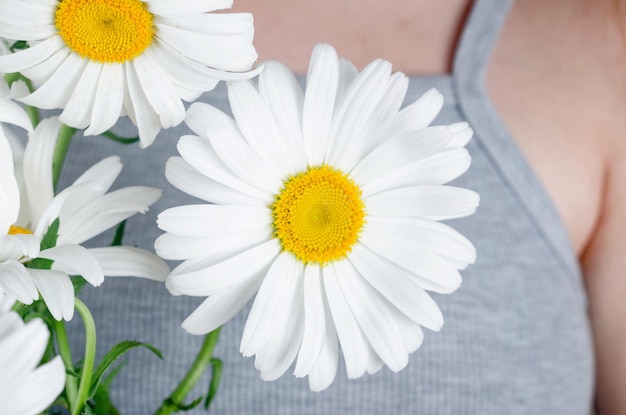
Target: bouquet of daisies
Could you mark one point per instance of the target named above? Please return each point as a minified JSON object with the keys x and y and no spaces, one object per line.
{"x":322,"y":204}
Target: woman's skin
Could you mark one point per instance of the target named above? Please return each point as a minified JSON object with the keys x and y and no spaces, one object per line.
{"x":557,"y":78}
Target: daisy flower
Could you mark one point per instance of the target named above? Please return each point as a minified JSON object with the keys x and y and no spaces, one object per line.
{"x":326,"y":205}
{"x":15,"y":244}
{"x":25,"y":388}
{"x":100,"y":59}
{"x":84,"y":210}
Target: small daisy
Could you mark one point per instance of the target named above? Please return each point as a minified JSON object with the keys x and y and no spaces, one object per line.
{"x":100,"y":59}
{"x":15,"y":244}
{"x":326,"y":205}
{"x":85,"y":209}
{"x":25,"y":388}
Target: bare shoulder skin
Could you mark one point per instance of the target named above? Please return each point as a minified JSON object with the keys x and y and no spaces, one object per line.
{"x":558,"y":79}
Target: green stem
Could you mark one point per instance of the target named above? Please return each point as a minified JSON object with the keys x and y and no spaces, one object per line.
{"x":203,"y":359}
{"x":90,"y":356}
{"x":60,"y":151}
{"x":71,"y":385}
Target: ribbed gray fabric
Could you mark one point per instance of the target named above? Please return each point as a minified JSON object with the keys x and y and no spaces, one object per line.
{"x":516,"y":338}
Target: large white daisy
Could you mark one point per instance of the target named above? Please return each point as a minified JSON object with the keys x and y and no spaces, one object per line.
{"x":84,"y":210}
{"x":100,"y":59}
{"x":326,"y":205}
{"x":25,"y":387}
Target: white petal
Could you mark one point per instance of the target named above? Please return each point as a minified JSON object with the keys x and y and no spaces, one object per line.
{"x":360,"y":103}
{"x":18,"y":246}
{"x":38,"y":12}
{"x":242,"y":159}
{"x":213,"y":220}
{"x":372,"y":315}
{"x":159,"y":90}
{"x":107,"y":104}
{"x":11,"y":112}
{"x":57,"y":90}
{"x":15,"y":280}
{"x":9,"y":190}
{"x":57,"y":292}
{"x":373,"y":132}
{"x":325,"y":369}
{"x":187,"y":179}
{"x":21,"y":351}
{"x":319,"y":102}
{"x":38,"y":390}
{"x":314,"y":337}
{"x":354,"y":345}
{"x":41,"y":72}
{"x":278,"y":302}
{"x":79,"y":106}
{"x":219,"y":308}
{"x":257,"y":125}
{"x":430,"y":202}
{"x":54,"y":208}
{"x":26,"y":58}
{"x":233,"y":52}
{"x":423,"y":234}
{"x":201,"y":156}
{"x":282,"y":92}
{"x":104,"y":173}
{"x":186,"y":7}
{"x":177,"y":247}
{"x":440,"y":168}
{"x":38,"y":167}
{"x":127,"y":261}
{"x":398,"y":287}
{"x":427,"y":265}
{"x":105,"y":212}
{"x":230,"y":272}
{"x":400,"y":151}
{"x":282,"y":347}
{"x":140,"y":110}
{"x":420,"y":113}
{"x":462,"y":134}
{"x":200,"y":116}
{"x":75,"y":260}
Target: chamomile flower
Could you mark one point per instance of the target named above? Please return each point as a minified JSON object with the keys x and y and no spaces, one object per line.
{"x":84,"y":210}
{"x":100,"y":59}
{"x":326,"y":204}
{"x":15,"y":243}
{"x":25,"y":387}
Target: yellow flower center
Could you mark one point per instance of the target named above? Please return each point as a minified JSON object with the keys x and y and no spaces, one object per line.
{"x":318,"y":215}
{"x":18,"y":230}
{"x":105,"y":30}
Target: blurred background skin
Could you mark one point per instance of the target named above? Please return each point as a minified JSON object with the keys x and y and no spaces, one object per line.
{"x":557,"y":78}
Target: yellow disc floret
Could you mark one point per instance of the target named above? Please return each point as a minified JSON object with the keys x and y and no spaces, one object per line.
{"x":318,"y":215}
{"x":18,"y":230}
{"x":105,"y":30}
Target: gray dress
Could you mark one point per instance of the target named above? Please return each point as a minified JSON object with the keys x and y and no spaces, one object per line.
{"x":516,"y":339}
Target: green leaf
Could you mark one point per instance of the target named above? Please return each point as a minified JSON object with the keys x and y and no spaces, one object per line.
{"x":118,"y":139}
{"x":19,"y":45}
{"x":49,"y":240}
{"x":101,"y":400}
{"x":40,"y":263}
{"x":112,"y":356}
{"x":119,"y":234}
{"x":216,"y":377}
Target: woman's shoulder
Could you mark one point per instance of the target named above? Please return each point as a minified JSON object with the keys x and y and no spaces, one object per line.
{"x":558,"y":78}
